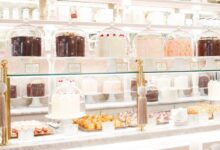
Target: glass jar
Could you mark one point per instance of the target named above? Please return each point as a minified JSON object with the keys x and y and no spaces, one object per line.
{"x":148,"y":43}
{"x":112,"y":42}
{"x":179,"y":43}
{"x":152,"y":92}
{"x":208,"y":44}
{"x":26,"y":40}
{"x":70,"y":41}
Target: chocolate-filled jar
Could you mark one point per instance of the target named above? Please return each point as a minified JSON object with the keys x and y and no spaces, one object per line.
{"x":208,"y":44}
{"x":70,"y":42}
{"x":26,"y":40}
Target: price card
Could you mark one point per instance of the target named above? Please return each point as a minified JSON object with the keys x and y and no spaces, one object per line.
{"x":32,"y":68}
{"x":161,"y":66}
{"x":122,"y":67}
{"x":74,"y":67}
{"x":217,"y":64}
{"x":194,"y":66}
{"x":108,"y":127}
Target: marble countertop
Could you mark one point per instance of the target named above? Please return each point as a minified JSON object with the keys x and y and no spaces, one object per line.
{"x":82,"y":139}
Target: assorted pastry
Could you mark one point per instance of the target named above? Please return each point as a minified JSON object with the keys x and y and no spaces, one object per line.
{"x":203,"y":107}
{"x":94,"y":122}
{"x":38,"y":131}
{"x":161,"y":117}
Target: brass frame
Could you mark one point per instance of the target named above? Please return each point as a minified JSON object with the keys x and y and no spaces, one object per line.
{"x":7,"y":129}
{"x":140,"y":82}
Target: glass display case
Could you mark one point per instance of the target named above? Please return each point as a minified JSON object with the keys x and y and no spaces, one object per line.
{"x":208,"y":44}
{"x":75,"y":99}
{"x":70,"y":41}
{"x":26,"y":40}
{"x":179,"y":43}
{"x":112,"y":42}
{"x":148,"y":43}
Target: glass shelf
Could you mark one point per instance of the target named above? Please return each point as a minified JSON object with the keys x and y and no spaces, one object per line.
{"x":109,"y":73}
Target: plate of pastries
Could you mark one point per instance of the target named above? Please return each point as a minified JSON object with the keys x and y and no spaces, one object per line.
{"x":94,"y":122}
{"x":203,"y":107}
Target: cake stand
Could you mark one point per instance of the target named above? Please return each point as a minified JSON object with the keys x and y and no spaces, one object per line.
{"x":14,"y":100}
{"x":89,"y":97}
{"x":66,"y":123}
{"x":35,"y":100}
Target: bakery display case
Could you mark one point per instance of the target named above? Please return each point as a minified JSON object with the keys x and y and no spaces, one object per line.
{"x":129,"y":82}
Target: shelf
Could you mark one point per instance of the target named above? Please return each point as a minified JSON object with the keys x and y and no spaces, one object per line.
{"x":29,"y":111}
{"x":158,"y":3}
{"x":106,"y":105}
{"x":109,"y":73}
{"x":125,"y":104}
{"x":96,"y":25}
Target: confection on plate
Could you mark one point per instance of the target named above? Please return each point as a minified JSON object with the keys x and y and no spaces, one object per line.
{"x":134,"y":85}
{"x":26,"y":40}
{"x":89,"y":86}
{"x":38,"y":131}
{"x":152,"y":92}
{"x":179,"y":116}
{"x":129,"y":118}
{"x":112,"y":42}
{"x":203,"y":83}
{"x":181,"y":82}
{"x":179,"y":43}
{"x":162,"y":117}
{"x":35,"y":89}
{"x":112,"y":86}
{"x":213,"y":88}
{"x":148,"y":43}
{"x":13,"y":91}
{"x":209,"y":44}
{"x":163,"y":82}
{"x":168,"y":95}
{"x":203,"y":107}
{"x":94,"y":122}
{"x":65,"y":102}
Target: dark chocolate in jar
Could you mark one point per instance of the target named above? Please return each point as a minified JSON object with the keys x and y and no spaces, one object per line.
{"x":208,"y":47}
{"x":13,"y":91}
{"x":26,"y":46}
{"x":152,"y":95}
{"x":70,"y":45}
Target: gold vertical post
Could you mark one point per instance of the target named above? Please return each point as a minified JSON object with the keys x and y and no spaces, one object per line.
{"x":6,"y":131}
{"x":140,"y":82}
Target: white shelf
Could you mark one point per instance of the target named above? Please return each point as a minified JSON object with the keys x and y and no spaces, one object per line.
{"x":106,"y":105}
{"x":125,"y":104}
{"x":94,"y":25}
{"x":159,"y":3}
{"x":29,"y":111}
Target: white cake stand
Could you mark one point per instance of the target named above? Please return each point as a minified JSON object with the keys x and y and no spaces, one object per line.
{"x":66,"y":122}
{"x":14,"y":99}
{"x":35,"y":100}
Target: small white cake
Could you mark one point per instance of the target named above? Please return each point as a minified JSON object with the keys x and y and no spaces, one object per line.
{"x":89,"y":86}
{"x":168,"y":95}
{"x":163,"y":83}
{"x":112,"y":87}
{"x":181,"y":82}
{"x":65,"y":105}
{"x":213,"y":90}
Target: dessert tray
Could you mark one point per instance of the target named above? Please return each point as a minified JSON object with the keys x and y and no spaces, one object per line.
{"x":38,"y":131}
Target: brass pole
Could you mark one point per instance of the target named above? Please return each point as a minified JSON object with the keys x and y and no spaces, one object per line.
{"x":140,"y":82}
{"x":7,"y":130}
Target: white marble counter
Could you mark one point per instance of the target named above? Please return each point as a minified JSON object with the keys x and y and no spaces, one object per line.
{"x":82,"y":139}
